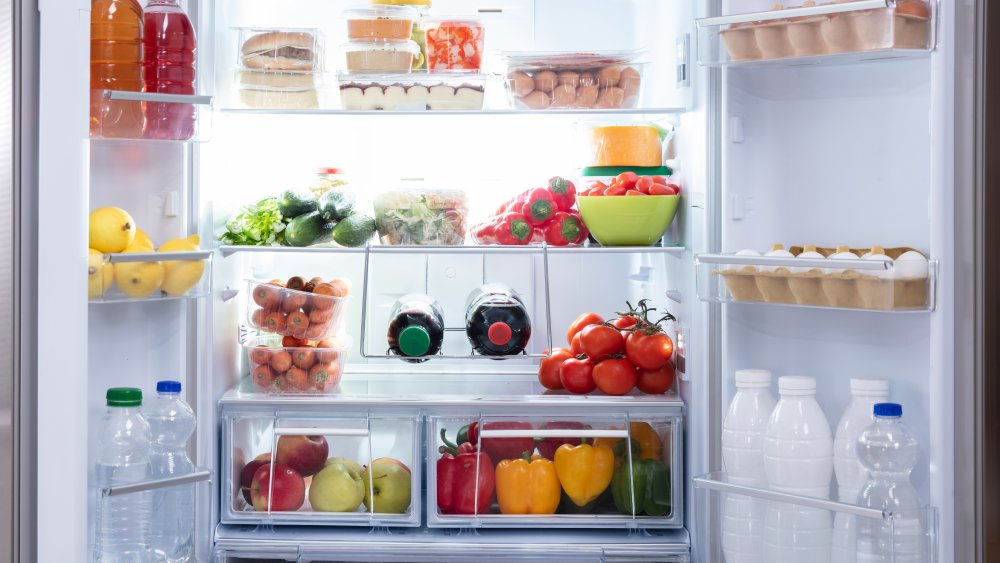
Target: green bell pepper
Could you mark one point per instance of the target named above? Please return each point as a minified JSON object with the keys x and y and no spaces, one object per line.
{"x":650,"y":479}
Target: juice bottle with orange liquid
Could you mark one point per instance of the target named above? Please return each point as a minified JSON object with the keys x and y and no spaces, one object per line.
{"x":115,"y":64}
{"x":170,"y":69}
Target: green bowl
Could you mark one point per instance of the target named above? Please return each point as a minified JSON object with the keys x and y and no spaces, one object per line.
{"x":628,"y":221}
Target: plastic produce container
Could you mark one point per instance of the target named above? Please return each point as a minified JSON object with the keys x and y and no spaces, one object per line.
{"x":415,"y":91}
{"x":607,"y":173}
{"x":380,"y":22}
{"x":380,"y":56}
{"x":277,"y":310}
{"x":309,"y":368}
{"x":421,"y":217}
{"x":559,"y":80}
{"x":453,"y":44}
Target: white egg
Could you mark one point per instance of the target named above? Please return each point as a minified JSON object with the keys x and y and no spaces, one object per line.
{"x":842,"y":254}
{"x":809,"y":253}
{"x":911,"y":264}
{"x":748,"y":252}
{"x":878,"y":253}
{"x":777,"y":251}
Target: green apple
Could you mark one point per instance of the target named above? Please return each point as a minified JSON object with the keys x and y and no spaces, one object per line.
{"x":390,"y":481}
{"x":349,"y":463}
{"x":336,"y":488}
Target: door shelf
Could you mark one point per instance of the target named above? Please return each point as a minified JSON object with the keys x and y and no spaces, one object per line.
{"x":118,"y":115}
{"x":770,"y":525}
{"x":866,"y":285}
{"x":182,"y":275}
{"x":843,"y":32}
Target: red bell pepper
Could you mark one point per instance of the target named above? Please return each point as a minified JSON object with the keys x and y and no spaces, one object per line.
{"x":513,"y":204}
{"x":503,"y":448}
{"x":563,"y":192}
{"x":548,"y":446}
{"x":466,"y":479}
{"x":584,"y":233}
{"x":485,"y":233}
{"x":564,"y":229}
{"x":512,"y":229}
{"x":539,"y":207}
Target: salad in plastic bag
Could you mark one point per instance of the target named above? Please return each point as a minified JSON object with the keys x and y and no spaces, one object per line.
{"x":428,"y":217}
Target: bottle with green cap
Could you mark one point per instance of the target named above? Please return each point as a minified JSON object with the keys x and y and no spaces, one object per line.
{"x":416,"y":327}
{"x":122,"y":524}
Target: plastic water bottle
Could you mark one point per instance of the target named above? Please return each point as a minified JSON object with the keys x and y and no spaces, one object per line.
{"x":122,"y":524}
{"x":743,"y":457}
{"x":416,"y":327}
{"x":171,"y":423}
{"x":851,"y":475}
{"x":798,"y":459}
{"x":889,"y":452}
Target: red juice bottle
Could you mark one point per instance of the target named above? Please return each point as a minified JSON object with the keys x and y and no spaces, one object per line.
{"x":169,"y":69}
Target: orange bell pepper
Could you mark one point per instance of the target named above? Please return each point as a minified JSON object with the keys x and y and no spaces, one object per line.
{"x":584,"y":471}
{"x":643,"y":436}
{"x":527,"y":488}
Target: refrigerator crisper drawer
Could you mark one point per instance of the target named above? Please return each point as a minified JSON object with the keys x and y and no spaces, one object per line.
{"x":581,"y":473}
{"x":320,"y":460}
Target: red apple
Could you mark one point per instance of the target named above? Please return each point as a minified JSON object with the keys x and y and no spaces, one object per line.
{"x":391,"y":460}
{"x":305,"y":454}
{"x":246,"y":476}
{"x":287,"y":488}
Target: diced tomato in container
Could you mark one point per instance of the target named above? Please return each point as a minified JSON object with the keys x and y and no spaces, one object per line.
{"x":454,"y":44}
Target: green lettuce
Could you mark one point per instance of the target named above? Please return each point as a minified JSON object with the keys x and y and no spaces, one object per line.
{"x":259,"y":224}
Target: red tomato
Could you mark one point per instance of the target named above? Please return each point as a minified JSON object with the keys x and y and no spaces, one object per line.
{"x":659,"y":180}
{"x":627,"y":180}
{"x":580,"y":322}
{"x":577,"y":345}
{"x":677,"y":189}
{"x":615,"y":191}
{"x":599,"y":341}
{"x":649,"y":351}
{"x":615,"y":376}
{"x":642,"y":184}
{"x":661,"y":189}
{"x":656,"y":381}
{"x":627,"y":321}
{"x":548,"y":368}
{"x":615,"y":183}
{"x":577,"y":376}
{"x":598,"y":185}
{"x":634,"y":192}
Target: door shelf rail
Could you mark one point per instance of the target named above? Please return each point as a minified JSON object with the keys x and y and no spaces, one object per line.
{"x":199,"y":475}
{"x":458,"y":249}
{"x":155,"y":276}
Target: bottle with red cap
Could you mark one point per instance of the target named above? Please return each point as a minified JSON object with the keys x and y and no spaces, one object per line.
{"x":496,"y":321}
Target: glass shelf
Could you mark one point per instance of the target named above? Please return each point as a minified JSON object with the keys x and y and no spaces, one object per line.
{"x":457,"y":249}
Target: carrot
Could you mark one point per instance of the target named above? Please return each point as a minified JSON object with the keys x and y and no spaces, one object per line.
{"x":259,"y":318}
{"x":320,"y":315}
{"x":323,"y":355}
{"x":294,"y":301}
{"x":275,"y":322}
{"x":260,"y":355}
{"x":292,"y":342}
{"x":341,"y":287}
{"x":324,"y":296}
{"x":303,"y":358}
{"x":325,"y":376}
{"x":281,"y":361}
{"x":295,"y":282}
{"x":280,"y":384}
{"x":266,"y":296}
{"x":298,"y":378}
{"x":262,"y":376}
{"x":298,"y":322}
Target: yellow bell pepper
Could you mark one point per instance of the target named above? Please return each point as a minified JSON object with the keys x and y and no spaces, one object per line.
{"x":643,"y":436}
{"x":527,"y":488}
{"x":584,"y":471}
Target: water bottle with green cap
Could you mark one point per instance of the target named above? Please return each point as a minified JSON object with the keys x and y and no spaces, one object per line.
{"x":416,"y":327}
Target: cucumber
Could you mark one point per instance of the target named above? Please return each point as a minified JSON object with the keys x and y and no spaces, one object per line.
{"x":355,"y":230}
{"x":292,"y":204}
{"x":308,"y":229}
{"x":336,"y":204}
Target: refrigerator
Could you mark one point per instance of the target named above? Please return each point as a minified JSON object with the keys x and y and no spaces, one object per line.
{"x":818,"y":143}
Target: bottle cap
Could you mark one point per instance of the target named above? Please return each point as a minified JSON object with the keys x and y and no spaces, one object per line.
{"x":869,"y":386}
{"x":414,"y":341}
{"x":499,"y":333}
{"x":797,"y":385}
{"x":753,"y":378}
{"x":892,"y":410}
{"x":168,"y":386}
{"x":124,"y":397}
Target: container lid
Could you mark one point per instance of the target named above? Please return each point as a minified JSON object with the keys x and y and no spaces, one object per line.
{"x":545,"y":59}
{"x":414,"y":341}
{"x":168,"y":386}
{"x":458,"y":20}
{"x":124,"y":397}
{"x":797,"y":384}
{"x":382,"y":45}
{"x":753,"y":378}
{"x":499,"y":333}
{"x":868,"y":386}
{"x":616,"y":170}
{"x":891,"y":410}
{"x":403,"y":2}
{"x":384,"y":11}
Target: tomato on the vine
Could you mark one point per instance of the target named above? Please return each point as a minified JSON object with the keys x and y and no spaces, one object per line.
{"x":600,"y":340}
{"x":577,"y":375}
{"x":548,"y":368}
{"x":649,"y":351}
{"x":656,"y":381}
{"x":577,"y":345}
{"x":615,"y":376}
{"x":625,"y":322}
{"x":583,"y":320}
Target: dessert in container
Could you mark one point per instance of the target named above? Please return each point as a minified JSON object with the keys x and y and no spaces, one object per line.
{"x":380,"y":56}
{"x":564,"y":80}
{"x":380,"y":22}
{"x":453,"y":44}
{"x":411,"y":92}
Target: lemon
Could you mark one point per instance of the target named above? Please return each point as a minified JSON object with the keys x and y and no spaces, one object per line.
{"x":139,"y":279}
{"x":100,"y":274}
{"x":142,"y":238}
{"x":111,"y":229}
{"x":181,"y":275}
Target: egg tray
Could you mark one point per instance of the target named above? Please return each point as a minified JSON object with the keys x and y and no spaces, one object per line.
{"x":849,"y":289}
{"x":847,"y":32}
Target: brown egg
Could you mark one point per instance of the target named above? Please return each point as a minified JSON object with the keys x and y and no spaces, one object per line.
{"x":586,"y":96}
{"x":569,"y":77}
{"x":611,"y":98}
{"x":537,"y":100}
{"x":609,"y":76}
{"x":563,"y":96}
{"x":520,"y":83}
{"x":587,"y":79}
{"x":545,"y":81}
{"x":630,"y":82}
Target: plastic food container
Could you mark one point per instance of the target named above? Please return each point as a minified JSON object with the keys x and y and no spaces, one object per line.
{"x":380,"y":56}
{"x":314,"y":367}
{"x":280,"y":49}
{"x":628,"y":221}
{"x":607,"y":173}
{"x":454,"y":44}
{"x":608,"y":80}
{"x":421,"y":217}
{"x":408,"y":92}
{"x":380,"y":22}
{"x":274,"y":309}
{"x":278,"y":89}
{"x":422,"y":7}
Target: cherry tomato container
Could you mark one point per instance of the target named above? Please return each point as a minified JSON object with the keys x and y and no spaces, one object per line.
{"x":453,"y":44}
